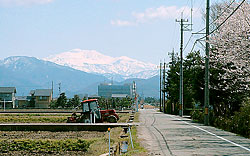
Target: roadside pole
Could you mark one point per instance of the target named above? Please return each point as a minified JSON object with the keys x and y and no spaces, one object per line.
{"x":109,"y":140}
{"x":91,"y":117}
{"x":160,"y":90}
{"x":3,"y":104}
{"x":130,"y":137}
{"x":94,"y":117}
{"x":164,"y":87}
{"x":206,"y":116}
{"x":184,"y":27}
{"x":136,"y":101}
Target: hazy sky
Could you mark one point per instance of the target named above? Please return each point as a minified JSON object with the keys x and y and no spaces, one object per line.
{"x":142,"y":29}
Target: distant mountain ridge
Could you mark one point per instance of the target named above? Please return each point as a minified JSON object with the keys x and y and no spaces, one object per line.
{"x":29,"y":73}
{"x":91,"y":61}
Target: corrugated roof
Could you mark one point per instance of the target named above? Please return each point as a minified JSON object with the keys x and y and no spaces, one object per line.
{"x":7,"y":89}
{"x":43,"y":92}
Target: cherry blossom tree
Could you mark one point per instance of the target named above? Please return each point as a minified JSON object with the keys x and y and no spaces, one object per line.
{"x":230,"y":56}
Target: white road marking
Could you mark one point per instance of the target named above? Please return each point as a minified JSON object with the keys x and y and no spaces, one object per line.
{"x":212,"y":134}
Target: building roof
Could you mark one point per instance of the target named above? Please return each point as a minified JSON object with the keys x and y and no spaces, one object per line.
{"x":32,"y":92}
{"x":21,"y":98}
{"x":43,"y":92}
{"x":7,"y":89}
{"x":90,"y":100}
{"x":93,"y":97}
{"x":119,"y":95}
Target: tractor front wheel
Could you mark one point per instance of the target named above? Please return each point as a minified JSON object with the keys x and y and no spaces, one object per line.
{"x":112,"y":119}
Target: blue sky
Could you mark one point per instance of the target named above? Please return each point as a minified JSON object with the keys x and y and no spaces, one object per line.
{"x":141,"y":29}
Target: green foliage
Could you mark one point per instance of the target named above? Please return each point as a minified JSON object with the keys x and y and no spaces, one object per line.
{"x":173,"y":84}
{"x":238,"y":123}
{"x":53,"y":104}
{"x":74,"y":102}
{"x":61,"y":101}
{"x":150,"y":100}
{"x":197,"y":116}
{"x":193,"y":70}
{"x":44,"y":145}
{"x":241,"y":120}
{"x":226,"y":92}
{"x":115,"y":103}
{"x":32,"y":102}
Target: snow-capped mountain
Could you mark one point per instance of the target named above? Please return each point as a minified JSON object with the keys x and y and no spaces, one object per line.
{"x":92,"y":61}
{"x":29,"y":73}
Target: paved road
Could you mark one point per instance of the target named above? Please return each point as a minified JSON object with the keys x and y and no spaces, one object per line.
{"x":166,"y":135}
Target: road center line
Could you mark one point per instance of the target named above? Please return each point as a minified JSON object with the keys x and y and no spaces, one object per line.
{"x":211,"y":133}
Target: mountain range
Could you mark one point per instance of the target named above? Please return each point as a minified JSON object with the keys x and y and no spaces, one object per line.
{"x":116,"y":68}
{"x":29,"y":73}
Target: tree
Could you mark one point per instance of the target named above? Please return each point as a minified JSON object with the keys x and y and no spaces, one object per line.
{"x":193,"y":70}
{"x":150,"y":100}
{"x":61,"y":101}
{"x":75,"y":101}
{"x":173,"y":84}
{"x":230,"y":65}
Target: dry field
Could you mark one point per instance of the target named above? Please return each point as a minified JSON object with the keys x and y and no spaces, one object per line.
{"x":43,"y":143}
{"x":44,"y":117}
{"x":79,"y":143}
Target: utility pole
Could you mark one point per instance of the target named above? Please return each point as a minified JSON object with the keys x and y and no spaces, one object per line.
{"x":52,"y":88}
{"x":181,"y":63}
{"x":160,"y":90}
{"x":59,"y":88}
{"x":206,"y":117}
{"x":135,"y":96}
{"x":164,"y":88}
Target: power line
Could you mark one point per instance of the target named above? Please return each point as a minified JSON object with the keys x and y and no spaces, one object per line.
{"x":188,"y":42}
{"x":218,"y":16}
{"x":225,"y":19}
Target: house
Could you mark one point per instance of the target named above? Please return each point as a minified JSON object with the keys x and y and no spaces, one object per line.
{"x":22,"y":101}
{"x":41,"y":97}
{"x":7,"y":97}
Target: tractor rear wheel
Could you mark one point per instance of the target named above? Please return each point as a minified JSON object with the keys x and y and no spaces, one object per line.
{"x":112,"y":119}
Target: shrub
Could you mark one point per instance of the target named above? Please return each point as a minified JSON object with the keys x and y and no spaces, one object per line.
{"x":239,"y":123}
{"x":197,"y":116}
{"x":241,"y":120}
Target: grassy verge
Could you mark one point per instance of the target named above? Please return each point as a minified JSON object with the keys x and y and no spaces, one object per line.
{"x":123,"y":117}
{"x":138,"y":150}
{"x":100,"y":146}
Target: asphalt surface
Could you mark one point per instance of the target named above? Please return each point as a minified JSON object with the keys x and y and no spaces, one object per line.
{"x":169,"y":135}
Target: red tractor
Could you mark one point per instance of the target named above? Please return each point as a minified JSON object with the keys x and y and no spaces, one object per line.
{"x":91,"y":113}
